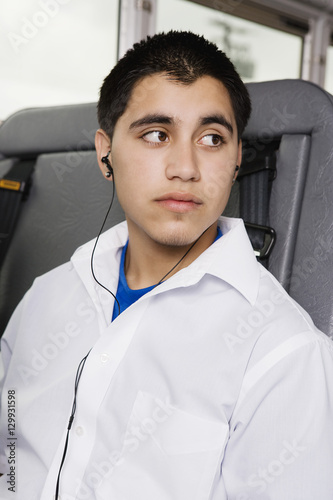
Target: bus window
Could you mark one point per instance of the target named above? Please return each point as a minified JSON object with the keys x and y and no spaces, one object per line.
{"x":55,"y":52}
{"x":259,"y":53}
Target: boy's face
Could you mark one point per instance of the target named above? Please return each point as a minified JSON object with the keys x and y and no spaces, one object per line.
{"x":173,"y":153}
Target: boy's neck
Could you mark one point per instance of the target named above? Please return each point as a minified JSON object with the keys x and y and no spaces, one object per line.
{"x":148,"y":261}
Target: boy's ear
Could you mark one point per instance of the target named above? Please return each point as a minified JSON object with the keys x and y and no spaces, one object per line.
{"x":239,"y":160}
{"x":103,"y":147}
{"x":239,"y":157}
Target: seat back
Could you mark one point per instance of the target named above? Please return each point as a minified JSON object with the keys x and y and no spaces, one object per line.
{"x":299,"y":116}
{"x":69,"y":197}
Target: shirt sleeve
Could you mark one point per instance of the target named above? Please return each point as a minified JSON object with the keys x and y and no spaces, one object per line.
{"x":7,"y":343}
{"x":281,"y":441}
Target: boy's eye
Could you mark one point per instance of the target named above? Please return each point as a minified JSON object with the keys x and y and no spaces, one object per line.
{"x":155,"y":136}
{"x":212,"y":140}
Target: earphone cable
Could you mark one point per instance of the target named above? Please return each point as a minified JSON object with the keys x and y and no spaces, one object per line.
{"x":93,"y":252}
{"x":183,"y":257}
{"x":71,"y":418}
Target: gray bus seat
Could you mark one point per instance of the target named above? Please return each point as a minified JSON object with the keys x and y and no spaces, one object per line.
{"x":69,"y":197}
{"x":299,"y":115}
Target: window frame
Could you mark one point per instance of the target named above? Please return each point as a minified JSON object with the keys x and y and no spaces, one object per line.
{"x":314,"y":25}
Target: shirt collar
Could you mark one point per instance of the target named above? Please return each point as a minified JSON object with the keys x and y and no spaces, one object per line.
{"x":234,"y":260}
{"x":230,"y":258}
{"x":106,"y":263}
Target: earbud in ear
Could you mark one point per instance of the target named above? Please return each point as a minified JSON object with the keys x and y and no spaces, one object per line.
{"x":105,"y":159}
{"x":236,"y":170}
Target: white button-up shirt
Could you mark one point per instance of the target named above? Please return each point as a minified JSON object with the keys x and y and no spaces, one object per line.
{"x":215,"y":385}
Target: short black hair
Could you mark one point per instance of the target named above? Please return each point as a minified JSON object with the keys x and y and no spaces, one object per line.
{"x":181,"y":55}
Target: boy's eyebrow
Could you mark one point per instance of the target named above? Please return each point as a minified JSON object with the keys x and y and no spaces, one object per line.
{"x":151,"y":119}
{"x":218,"y":118}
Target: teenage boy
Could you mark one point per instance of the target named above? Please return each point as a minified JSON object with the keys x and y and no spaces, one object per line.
{"x":203,"y":379}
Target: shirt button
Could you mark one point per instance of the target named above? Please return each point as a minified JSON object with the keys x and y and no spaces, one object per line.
{"x":79,"y":431}
{"x":104,"y":357}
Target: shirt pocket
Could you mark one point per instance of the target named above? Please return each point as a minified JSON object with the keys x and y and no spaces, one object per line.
{"x":168,"y":454}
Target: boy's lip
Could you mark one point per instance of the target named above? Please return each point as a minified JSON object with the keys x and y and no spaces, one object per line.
{"x":179,"y":202}
{"x":179,"y":196}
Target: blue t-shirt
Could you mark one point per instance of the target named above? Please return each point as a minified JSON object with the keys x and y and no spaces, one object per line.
{"x":125,"y":295}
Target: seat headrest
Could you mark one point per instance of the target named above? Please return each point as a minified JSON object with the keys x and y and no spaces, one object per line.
{"x":287,"y":107}
{"x":53,"y":129}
